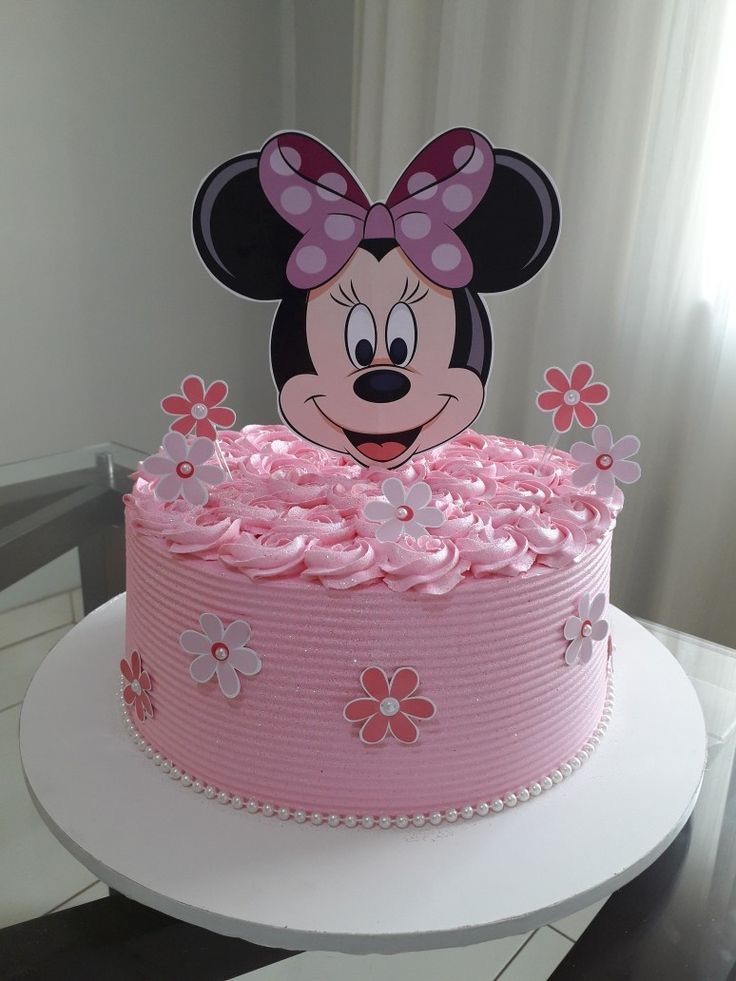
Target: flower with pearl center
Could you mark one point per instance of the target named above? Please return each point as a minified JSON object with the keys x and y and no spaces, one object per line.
{"x":182,"y":470}
{"x":584,"y":629}
{"x":570,"y":398}
{"x":389,"y":706}
{"x":404,"y":512}
{"x":137,"y":687}
{"x":197,"y":409}
{"x":605,"y":462}
{"x":220,"y":651}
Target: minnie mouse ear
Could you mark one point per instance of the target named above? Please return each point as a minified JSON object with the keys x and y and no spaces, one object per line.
{"x":240,"y":238}
{"x":512,"y":232}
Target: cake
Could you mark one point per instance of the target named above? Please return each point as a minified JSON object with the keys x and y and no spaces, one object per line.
{"x":378,"y":682}
{"x":373,"y":616}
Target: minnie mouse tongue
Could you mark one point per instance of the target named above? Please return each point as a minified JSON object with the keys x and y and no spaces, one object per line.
{"x":384,"y":447}
{"x":381,"y":452}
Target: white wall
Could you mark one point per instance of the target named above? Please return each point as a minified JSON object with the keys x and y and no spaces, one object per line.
{"x":111,"y":113}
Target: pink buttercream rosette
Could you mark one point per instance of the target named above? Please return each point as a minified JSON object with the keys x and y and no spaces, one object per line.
{"x":293,"y":510}
{"x":391,"y":707}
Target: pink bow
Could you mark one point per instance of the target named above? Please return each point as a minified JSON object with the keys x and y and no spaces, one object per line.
{"x":313,"y":190}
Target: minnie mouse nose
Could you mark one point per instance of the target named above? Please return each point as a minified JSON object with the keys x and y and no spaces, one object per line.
{"x":381,"y":386}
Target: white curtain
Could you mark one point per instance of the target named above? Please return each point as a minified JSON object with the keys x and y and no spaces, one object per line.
{"x":630,"y":107}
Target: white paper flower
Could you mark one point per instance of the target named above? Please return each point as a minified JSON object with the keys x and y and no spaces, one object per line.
{"x":404,"y":512}
{"x":182,"y":469}
{"x":605,"y":462}
{"x":582,"y":630}
{"x":222,"y":651}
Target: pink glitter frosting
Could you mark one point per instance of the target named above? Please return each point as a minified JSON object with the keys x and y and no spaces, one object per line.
{"x":477,"y":609}
{"x":294,"y":511}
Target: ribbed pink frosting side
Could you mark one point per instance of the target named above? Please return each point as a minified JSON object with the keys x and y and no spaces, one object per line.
{"x":490,"y":654}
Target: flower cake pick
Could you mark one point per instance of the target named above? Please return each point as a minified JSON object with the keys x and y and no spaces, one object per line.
{"x":181,"y":469}
{"x":570,"y":399}
{"x":605,"y":461}
{"x":200,"y":409}
{"x":404,"y":511}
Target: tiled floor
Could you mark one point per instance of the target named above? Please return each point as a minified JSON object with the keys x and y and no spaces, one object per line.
{"x":37,"y":875}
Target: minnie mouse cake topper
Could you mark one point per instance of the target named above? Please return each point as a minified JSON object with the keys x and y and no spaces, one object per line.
{"x":381,"y":344}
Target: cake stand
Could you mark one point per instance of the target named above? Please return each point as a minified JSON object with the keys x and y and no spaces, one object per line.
{"x":319,"y":888}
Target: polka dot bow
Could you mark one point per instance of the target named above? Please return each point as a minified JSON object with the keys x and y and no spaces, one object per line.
{"x":316,"y":193}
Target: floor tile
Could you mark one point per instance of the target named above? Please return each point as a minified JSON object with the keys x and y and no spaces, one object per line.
{"x":18,"y":664}
{"x":537,"y":959}
{"x":34,"y":619}
{"x":481,"y":961}
{"x":77,"y":605}
{"x":36,"y":872}
{"x":574,"y":925}
{"x":97,"y":891}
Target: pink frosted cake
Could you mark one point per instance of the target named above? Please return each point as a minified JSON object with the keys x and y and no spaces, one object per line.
{"x":286,"y":656}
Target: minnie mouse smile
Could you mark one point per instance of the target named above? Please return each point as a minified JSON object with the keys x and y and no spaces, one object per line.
{"x":381,"y":344}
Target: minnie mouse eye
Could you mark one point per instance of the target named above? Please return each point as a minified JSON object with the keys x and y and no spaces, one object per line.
{"x":401,"y":334}
{"x":360,"y":335}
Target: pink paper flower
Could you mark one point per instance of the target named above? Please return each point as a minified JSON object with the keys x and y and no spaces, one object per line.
{"x":583,"y":629}
{"x":220,"y":651}
{"x":403,"y":512}
{"x":137,"y":687}
{"x":199,"y":409}
{"x":390,"y":706}
{"x":571,"y":398}
{"x":183,"y":469}
{"x":605,"y":461}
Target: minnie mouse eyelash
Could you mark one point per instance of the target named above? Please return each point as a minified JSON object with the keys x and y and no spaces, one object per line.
{"x":351,"y":302}
{"x":347,"y":297}
{"x":412,"y":297}
{"x":417,"y":298}
{"x":340,"y":302}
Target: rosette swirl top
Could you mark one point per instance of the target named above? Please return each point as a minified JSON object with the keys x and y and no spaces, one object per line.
{"x":295,"y":511}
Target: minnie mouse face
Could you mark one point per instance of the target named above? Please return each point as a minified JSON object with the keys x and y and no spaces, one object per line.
{"x":380,"y":337}
{"x":381,"y":345}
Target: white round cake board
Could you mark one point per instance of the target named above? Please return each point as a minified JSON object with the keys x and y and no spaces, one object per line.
{"x":301,"y":887}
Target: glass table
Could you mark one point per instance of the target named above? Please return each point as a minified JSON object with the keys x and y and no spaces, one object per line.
{"x":677,"y":920}
{"x":53,"y":504}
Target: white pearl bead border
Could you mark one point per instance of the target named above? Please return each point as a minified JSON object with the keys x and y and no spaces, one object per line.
{"x":451,"y":815}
